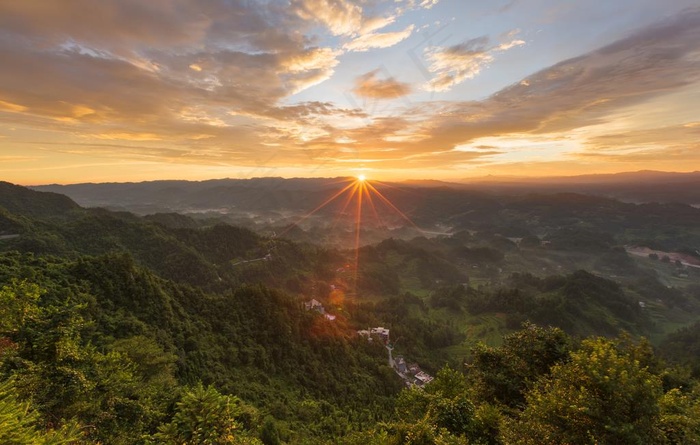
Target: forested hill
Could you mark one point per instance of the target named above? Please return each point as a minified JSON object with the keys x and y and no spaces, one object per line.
{"x":117,"y":329}
{"x":22,"y":201}
{"x":202,"y":255}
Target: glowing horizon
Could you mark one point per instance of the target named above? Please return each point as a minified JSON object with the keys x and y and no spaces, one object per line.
{"x":393,"y":90}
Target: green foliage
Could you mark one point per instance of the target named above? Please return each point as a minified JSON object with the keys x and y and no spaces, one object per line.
{"x":578,"y":239}
{"x":20,"y":424}
{"x":18,"y":306}
{"x":204,"y":416}
{"x":502,"y":375}
{"x":269,"y":435}
{"x":68,"y":378}
{"x":539,"y":389}
{"x":110,"y":343}
{"x":680,"y":417}
{"x":453,"y":297}
{"x":384,"y":268}
{"x":480,"y":255}
{"x":580,"y":303}
{"x":23,"y":201}
{"x":683,"y":346}
{"x":602,"y":395}
{"x":424,"y":432}
{"x":442,"y":409}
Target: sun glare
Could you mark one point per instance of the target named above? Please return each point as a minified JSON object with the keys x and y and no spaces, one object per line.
{"x":358,"y":197}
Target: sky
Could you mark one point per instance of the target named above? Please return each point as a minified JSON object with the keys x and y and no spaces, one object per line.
{"x":132,"y":90}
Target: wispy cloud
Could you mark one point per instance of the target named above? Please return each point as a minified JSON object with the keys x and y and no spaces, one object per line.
{"x":341,"y":17}
{"x":372,"y":87}
{"x":454,"y":64}
{"x":584,"y":90}
{"x":378,"y":40}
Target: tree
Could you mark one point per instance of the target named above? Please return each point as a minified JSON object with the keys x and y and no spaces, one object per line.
{"x":19,"y":423}
{"x":501,"y":375}
{"x":603,"y":395}
{"x":680,"y":418}
{"x":440,"y":412}
{"x":18,"y":305}
{"x":268,"y":433}
{"x":203,"y":417}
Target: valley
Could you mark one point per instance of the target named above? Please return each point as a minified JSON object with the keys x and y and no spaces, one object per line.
{"x":221,"y":305}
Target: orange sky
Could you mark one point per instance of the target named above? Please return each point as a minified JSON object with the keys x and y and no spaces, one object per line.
{"x":122,"y":90}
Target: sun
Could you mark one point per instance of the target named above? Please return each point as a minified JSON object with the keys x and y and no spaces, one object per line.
{"x":361,"y":178}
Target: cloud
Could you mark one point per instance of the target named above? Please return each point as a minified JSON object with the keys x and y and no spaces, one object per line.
{"x":305,"y":69}
{"x":341,"y":17}
{"x":658,"y":136}
{"x":414,"y":4}
{"x":13,"y":108}
{"x":559,"y":103}
{"x":110,"y":73}
{"x":455,"y":64}
{"x":211,"y":82}
{"x":17,"y":159}
{"x":369,"y":41}
{"x":582,"y":91}
{"x":371,"y":87}
{"x":349,"y":19}
{"x":682,"y":155}
{"x":108,"y":23}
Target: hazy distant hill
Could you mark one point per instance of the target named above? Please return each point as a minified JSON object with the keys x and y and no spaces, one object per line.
{"x":639,"y":187}
{"x":217,"y":195}
{"x":304,"y":194}
{"x":587,"y":205}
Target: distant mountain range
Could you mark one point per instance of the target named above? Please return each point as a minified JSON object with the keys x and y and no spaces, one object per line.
{"x":638,"y":187}
{"x":218,"y":195}
{"x":304,"y":194}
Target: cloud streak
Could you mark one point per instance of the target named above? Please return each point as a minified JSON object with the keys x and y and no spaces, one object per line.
{"x":373,"y":40}
{"x":455,"y":64}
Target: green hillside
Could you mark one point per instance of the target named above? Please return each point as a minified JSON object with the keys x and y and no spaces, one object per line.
{"x":118,"y":329}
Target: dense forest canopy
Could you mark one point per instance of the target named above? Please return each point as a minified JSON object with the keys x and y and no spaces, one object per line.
{"x":121,"y":329}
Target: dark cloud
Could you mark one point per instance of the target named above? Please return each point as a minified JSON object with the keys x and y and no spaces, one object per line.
{"x":132,"y":25}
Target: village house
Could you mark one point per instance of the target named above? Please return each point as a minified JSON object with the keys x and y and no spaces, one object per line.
{"x":314,"y":305}
{"x":423,"y":379}
{"x":400,"y":364}
{"x":382,"y":332}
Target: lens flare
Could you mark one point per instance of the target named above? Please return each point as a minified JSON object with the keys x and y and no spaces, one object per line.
{"x":359,"y":194}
